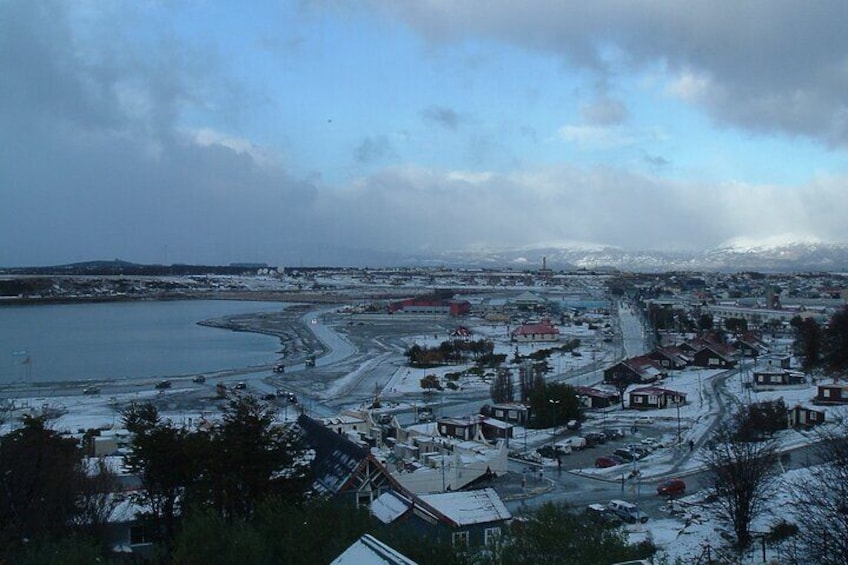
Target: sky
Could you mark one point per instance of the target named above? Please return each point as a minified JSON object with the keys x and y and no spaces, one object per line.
{"x":352,"y":132}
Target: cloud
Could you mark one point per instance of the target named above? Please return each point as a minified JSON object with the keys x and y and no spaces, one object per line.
{"x":604,"y":112}
{"x":770,"y":67}
{"x":441,"y":116}
{"x":373,"y":149}
{"x":657,"y":161}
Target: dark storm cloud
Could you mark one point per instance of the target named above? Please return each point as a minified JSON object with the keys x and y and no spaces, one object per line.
{"x":764,"y":65}
{"x":441,"y":116}
{"x":94,"y":164}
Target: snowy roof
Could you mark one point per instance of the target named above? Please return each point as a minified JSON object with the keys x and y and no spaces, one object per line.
{"x":472,"y":507}
{"x":388,"y":507}
{"x":368,"y":550}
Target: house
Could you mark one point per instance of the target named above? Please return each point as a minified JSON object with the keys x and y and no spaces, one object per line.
{"x":494,"y":429}
{"x":771,"y":379}
{"x":671,"y":357}
{"x":367,"y":550}
{"x":342,"y":469}
{"x":465,"y":518}
{"x":751,"y":345}
{"x":831,"y":393}
{"x":656,"y":397}
{"x":528,"y":300}
{"x":461,"y":428}
{"x":543,"y":331}
{"x":591,"y":397}
{"x":511,"y":412}
{"x":636,"y":370}
{"x":775,"y":361}
{"x":802,"y":417}
{"x":715,"y":356}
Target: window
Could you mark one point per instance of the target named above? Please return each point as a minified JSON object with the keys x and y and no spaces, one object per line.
{"x":460,"y":539}
{"x":491,"y":536}
{"x":813,"y":416}
{"x":825,"y":393}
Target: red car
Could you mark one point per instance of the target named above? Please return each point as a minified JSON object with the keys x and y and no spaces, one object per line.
{"x":604,"y":462}
{"x":671,"y":487}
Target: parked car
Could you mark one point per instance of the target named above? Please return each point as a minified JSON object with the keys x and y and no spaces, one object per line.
{"x":91,"y":389}
{"x":240,"y":385}
{"x":639,"y":450}
{"x":603,"y":514}
{"x":279,"y":368}
{"x":425,"y":415}
{"x":671,"y":487}
{"x":563,"y":448}
{"x":573,"y":424}
{"x":162,"y":385}
{"x":605,"y":461}
{"x":627,"y":511}
{"x":625,"y":454}
{"x":613,"y":433}
{"x":594,"y":438}
{"x":199,"y":379}
{"x":644,"y":420}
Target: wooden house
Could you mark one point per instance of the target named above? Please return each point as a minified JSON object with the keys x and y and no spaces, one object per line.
{"x":652,"y":397}
{"x":671,"y":357}
{"x":511,"y":412}
{"x":771,"y":379}
{"x":715,"y":357}
{"x":803,"y":417}
{"x":591,"y":397}
{"x":832,"y":393}
{"x":464,"y":518}
{"x":636,"y":370}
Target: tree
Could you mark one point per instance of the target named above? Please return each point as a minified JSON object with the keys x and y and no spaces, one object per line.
{"x":557,"y":534}
{"x":705,"y":322}
{"x":808,"y":341}
{"x":820,"y":503}
{"x":161,"y":457}
{"x":736,"y":325}
{"x":553,"y":404}
{"x":502,"y":388}
{"x":743,"y":475}
{"x":761,"y":419}
{"x":40,"y":478}
{"x":251,"y":458}
{"x":836,"y":339}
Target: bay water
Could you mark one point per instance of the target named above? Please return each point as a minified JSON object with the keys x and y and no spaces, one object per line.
{"x":126,"y":340}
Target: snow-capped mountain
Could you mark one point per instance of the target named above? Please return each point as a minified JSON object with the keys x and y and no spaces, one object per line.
{"x":735,"y":255}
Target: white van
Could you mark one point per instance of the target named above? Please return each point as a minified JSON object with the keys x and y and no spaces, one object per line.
{"x":575,"y":442}
{"x":627,"y":511}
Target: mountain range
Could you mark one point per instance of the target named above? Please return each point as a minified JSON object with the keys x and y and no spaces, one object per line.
{"x":781,"y":257}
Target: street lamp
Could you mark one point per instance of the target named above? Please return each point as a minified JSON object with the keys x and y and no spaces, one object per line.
{"x":554,"y":404}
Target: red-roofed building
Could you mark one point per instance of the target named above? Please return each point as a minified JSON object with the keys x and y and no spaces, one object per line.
{"x":543,"y":331}
{"x":635,"y":370}
{"x":430,"y":305}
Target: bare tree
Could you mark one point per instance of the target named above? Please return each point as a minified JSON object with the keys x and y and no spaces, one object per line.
{"x":502,"y":388}
{"x":743,"y":474}
{"x":821,"y":503}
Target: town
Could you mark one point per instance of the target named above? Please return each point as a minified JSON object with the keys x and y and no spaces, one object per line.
{"x":460,"y":405}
